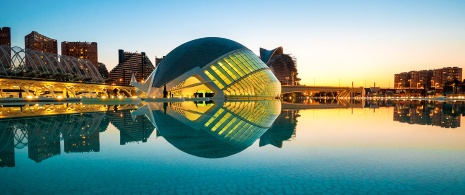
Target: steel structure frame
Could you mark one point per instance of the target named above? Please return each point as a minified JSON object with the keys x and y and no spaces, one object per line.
{"x":16,"y":62}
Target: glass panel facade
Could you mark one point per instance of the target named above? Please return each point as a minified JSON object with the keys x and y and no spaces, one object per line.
{"x":260,"y":83}
{"x":243,"y":74}
{"x":260,"y":113}
{"x":243,"y":122}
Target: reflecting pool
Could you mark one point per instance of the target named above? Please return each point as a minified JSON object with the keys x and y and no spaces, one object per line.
{"x":313,"y":146}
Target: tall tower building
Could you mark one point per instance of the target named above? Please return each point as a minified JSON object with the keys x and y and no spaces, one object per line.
{"x":283,"y":66}
{"x":5,"y":42}
{"x":130,"y":63}
{"x":36,"y":41}
{"x":5,"y":36}
{"x":84,"y":50}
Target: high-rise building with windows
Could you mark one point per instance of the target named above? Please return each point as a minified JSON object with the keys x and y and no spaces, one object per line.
{"x":420,"y":79}
{"x":5,"y":43}
{"x":443,"y":75}
{"x":427,"y":78}
{"x":83,"y":50}
{"x":128,"y":64}
{"x":36,"y":41}
{"x":401,"y":80}
{"x":5,"y":36}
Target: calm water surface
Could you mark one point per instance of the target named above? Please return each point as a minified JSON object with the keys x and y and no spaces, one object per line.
{"x":234,"y":147}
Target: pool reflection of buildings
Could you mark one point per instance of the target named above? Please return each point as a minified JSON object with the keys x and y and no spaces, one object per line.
{"x":45,"y":143}
{"x":79,"y":133}
{"x":208,"y":130}
{"x":42,"y":135}
{"x":7,"y":147}
{"x":83,"y":143}
{"x":221,"y":132}
{"x":283,"y":129}
{"x":442,"y":114}
{"x":85,"y":140}
{"x":138,"y":130}
{"x":211,"y":130}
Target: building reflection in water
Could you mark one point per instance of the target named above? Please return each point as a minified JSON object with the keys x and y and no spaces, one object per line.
{"x":436,"y":114}
{"x":211,"y":130}
{"x":203,"y":129}
{"x":137,"y":130}
{"x":42,"y":134}
{"x":7,"y":147}
{"x":442,"y":114}
{"x":40,"y":128}
{"x":283,"y":129}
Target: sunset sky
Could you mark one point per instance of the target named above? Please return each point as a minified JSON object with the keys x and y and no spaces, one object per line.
{"x":334,"y":42}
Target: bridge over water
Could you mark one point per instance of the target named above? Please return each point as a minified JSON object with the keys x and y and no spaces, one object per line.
{"x":11,"y":87}
{"x":331,"y":103}
{"x":341,"y":91}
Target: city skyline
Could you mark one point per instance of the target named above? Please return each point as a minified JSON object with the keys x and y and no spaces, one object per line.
{"x":334,"y":42}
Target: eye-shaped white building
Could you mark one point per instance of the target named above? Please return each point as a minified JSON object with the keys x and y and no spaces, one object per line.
{"x":211,"y":67}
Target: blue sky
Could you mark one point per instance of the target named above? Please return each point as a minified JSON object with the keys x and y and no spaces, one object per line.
{"x":334,"y":41}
